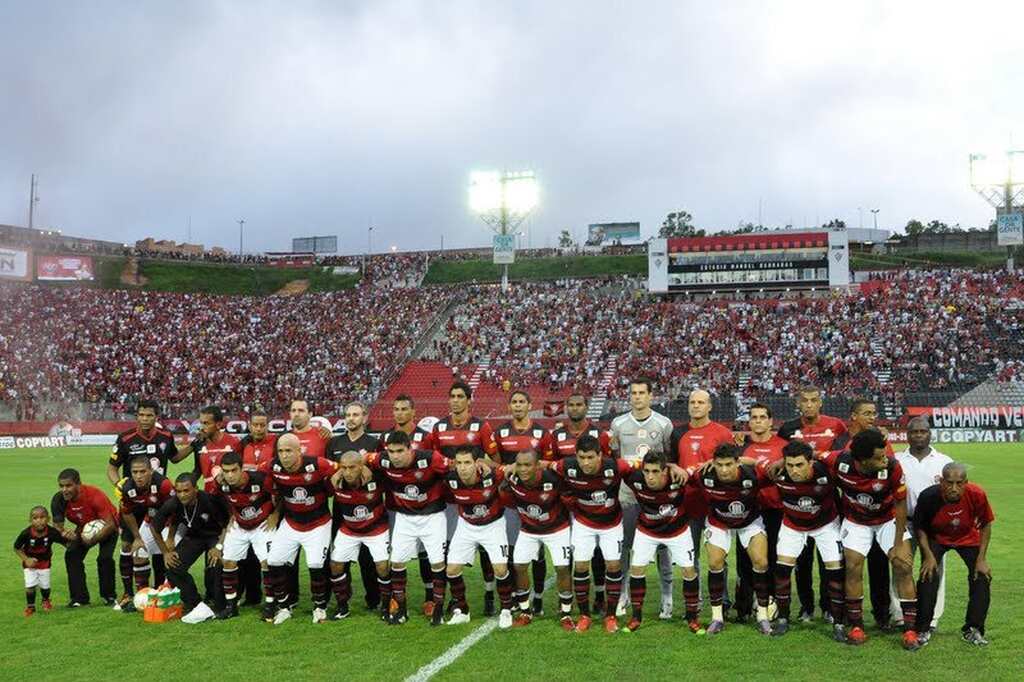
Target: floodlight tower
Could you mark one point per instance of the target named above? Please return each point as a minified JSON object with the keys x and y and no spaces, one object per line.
{"x":994,"y":179}
{"x":503,"y":200}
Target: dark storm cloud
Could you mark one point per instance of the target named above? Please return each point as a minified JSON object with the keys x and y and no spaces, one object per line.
{"x":317,"y":118}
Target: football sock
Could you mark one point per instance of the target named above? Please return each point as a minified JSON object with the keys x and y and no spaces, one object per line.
{"x":637,"y":592}
{"x":522,"y":597}
{"x":437,"y":593}
{"x":341,"y":586}
{"x":565,"y":603}
{"x":458,"y":592}
{"x":268,"y":585}
{"x":613,"y":588}
{"x":398,"y":585}
{"x":318,"y":586}
{"x":909,"y":608}
{"x":46,"y":593}
{"x":783,"y":588}
{"x":836,"y":593}
{"x":279,"y":576}
{"x":581,"y":586}
{"x":761,"y":590}
{"x":505,"y":590}
{"x":141,"y":572}
{"x":385,"y":591}
{"x":30,"y":596}
{"x":229,"y":583}
{"x":691,"y":596}
{"x":127,"y":565}
{"x":427,"y":576}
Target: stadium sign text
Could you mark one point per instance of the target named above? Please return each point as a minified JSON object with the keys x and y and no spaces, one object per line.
{"x":12,"y":442}
{"x":975,"y":436}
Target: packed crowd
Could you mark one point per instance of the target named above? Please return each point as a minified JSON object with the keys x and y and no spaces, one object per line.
{"x":74,"y":345}
{"x":931,"y":330}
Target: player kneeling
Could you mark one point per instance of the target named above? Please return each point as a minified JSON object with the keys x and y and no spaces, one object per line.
{"x":250,"y":496}
{"x":807,"y":495}
{"x":661,"y":522}
{"x":359,"y":494}
{"x":731,"y":492}
{"x":473,"y":488}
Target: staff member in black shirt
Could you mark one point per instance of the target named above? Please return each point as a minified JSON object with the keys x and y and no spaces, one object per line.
{"x":205,"y":519}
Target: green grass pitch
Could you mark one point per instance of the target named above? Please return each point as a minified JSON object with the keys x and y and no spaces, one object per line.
{"x":95,"y":642}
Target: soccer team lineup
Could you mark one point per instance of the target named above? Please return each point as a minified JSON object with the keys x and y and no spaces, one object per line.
{"x":802,"y":510}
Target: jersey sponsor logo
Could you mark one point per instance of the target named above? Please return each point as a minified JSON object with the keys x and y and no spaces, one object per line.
{"x":475,"y":426}
{"x":310,"y":468}
{"x":422,"y":463}
{"x":249,"y":513}
{"x":709,"y":482}
{"x":748,"y":484}
{"x":479,"y":511}
{"x":736,"y":510}
{"x":548,"y":486}
{"x":361,"y":513}
{"x":301,"y":496}
{"x":844,"y":467}
{"x":666,"y":511}
{"x":865,"y":500}
{"x":805,"y":503}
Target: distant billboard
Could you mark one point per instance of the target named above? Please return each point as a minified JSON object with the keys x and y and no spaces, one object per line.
{"x":613,"y":233}
{"x":64,"y":268}
{"x":1010,"y":229}
{"x":15,"y":264}
{"x":504,"y":249}
{"x":315,"y":245}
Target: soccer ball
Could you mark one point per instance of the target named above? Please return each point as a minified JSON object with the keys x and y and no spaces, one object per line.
{"x":141,"y":598}
{"x":92,"y":529}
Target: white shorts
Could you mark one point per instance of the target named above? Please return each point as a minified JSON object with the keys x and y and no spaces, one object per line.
{"x":150,"y":547}
{"x":857,"y":537}
{"x":287,"y":541}
{"x":238,"y":540}
{"x":491,"y":537}
{"x":680,"y":548}
{"x":722,"y":537}
{"x":346,"y":547}
{"x":826,"y":539}
{"x":37,"y":577}
{"x":585,"y":539}
{"x":430,"y":530}
{"x":530,"y":546}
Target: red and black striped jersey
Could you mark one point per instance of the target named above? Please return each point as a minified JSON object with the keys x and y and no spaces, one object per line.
{"x":142,"y":502}
{"x":732,"y":504}
{"x":563,"y":441}
{"x":158,"y":445}
{"x":447,"y":436}
{"x":417,"y":489}
{"x":250,"y":503}
{"x":540,"y":506}
{"x":304,"y":492}
{"x":507,"y":441}
{"x":594,"y":498}
{"x":868,"y":498}
{"x":39,"y":546}
{"x":805,"y":505}
{"x":479,"y":503}
{"x":361,"y":509}
{"x":662,"y":512}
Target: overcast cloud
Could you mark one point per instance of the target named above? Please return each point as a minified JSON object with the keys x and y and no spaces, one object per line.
{"x":309,"y":118}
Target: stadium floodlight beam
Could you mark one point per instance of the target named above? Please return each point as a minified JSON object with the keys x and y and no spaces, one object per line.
{"x":999,"y":179}
{"x":503,"y":200}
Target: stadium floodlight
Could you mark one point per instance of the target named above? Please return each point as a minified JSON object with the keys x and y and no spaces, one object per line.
{"x":503,"y":200}
{"x":999,"y":179}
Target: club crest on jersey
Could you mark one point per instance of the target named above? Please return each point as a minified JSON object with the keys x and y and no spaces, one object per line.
{"x":642,"y":449}
{"x":163,"y":446}
{"x":544,"y":497}
{"x":655,"y":435}
{"x":418,"y":475}
{"x":453,"y":483}
{"x":877,"y":487}
{"x":823,"y":480}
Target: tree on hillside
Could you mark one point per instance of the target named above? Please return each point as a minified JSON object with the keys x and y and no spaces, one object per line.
{"x":914,"y":228}
{"x":836,"y":223}
{"x":679,"y":224}
{"x":565,"y":240}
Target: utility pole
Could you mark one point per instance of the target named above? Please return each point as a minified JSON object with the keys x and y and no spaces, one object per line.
{"x":241,"y":225}
{"x":33,"y":199}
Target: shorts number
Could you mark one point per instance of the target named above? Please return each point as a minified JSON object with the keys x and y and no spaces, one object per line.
{"x":504,"y":551}
{"x":690,"y":552}
{"x":620,"y":547}
{"x":268,"y":547}
{"x":566,"y":552}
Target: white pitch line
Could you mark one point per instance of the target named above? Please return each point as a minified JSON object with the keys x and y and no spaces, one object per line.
{"x":462,"y":646}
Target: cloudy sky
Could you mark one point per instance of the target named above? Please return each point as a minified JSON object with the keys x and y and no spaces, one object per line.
{"x":309,"y":118}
